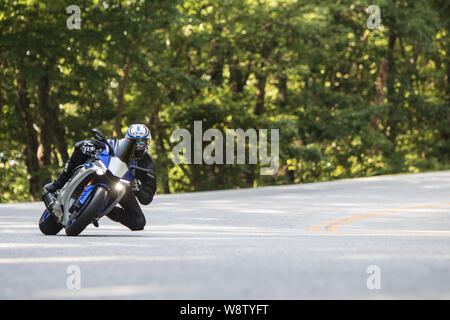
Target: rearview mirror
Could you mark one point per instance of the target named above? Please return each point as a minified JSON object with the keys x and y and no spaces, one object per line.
{"x":99,"y":135}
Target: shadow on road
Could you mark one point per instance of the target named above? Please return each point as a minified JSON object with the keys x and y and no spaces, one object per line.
{"x":107,"y":236}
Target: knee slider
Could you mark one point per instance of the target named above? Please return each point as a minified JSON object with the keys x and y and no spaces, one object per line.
{"x":138,"y":224}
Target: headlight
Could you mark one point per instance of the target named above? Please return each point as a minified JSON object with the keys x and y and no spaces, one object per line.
{"x":119,"y":186}
{"x":100,"y":172}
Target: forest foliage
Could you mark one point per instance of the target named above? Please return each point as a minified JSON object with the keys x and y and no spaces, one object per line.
{"x":349,"y":101}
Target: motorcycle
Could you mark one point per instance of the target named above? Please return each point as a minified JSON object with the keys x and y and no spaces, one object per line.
{"x":94,"y":189}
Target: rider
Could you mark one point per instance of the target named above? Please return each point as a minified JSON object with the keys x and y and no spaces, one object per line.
{"x":133,"y":149}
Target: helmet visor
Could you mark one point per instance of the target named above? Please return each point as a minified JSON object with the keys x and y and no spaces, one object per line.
{"x":142,"y":143}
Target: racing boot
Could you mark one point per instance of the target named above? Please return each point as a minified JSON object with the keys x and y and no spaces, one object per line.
{"x":50,"y":188}
{"x":59,"y":182}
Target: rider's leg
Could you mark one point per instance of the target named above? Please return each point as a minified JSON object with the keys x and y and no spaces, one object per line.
{"x":132,"y":216}
{"x":78,"y":157}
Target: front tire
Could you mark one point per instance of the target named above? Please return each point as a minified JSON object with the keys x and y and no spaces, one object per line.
{"x":48,"y":224}
{"x":92,"y":208}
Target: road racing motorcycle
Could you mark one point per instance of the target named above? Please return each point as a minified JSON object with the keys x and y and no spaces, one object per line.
{"x":94,"y":189}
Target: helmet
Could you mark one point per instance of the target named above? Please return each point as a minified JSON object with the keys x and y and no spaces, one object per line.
{"x":136,"y":142}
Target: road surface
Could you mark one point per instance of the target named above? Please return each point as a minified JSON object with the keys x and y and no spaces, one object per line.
{"x":383,"y":237}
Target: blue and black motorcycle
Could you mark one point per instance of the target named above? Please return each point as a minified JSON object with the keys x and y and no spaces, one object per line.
{"x":94,"y":189}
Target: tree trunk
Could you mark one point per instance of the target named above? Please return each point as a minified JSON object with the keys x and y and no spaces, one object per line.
{"x":60,"y":142}
{"x":51,"y":129}
{"x":163,"y":177}
{"x":165,"y":174}
{"x":381,"y":84}
{"x":217,"y":72}
{"x":390,"y":82}
{"x":282,"y":90}
{"x":235,"y":77}
{"x":238,"y":78}
{"x":261,"y":80}
{"x":447,"y":76}
{"x":31,"y":136}
{"x":218,"y":61}
{"x":46,"y":122}
{"x":120,"y":98}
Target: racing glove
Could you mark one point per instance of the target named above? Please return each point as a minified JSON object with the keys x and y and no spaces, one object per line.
{"x":136,"y":186}
{"x":90,"y":147}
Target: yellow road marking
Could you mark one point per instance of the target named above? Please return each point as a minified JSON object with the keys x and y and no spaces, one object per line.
{"x":332,"y":225}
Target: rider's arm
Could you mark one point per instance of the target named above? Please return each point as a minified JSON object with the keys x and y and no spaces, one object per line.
{"x":90,"y":147}
{"x":148,"y":181}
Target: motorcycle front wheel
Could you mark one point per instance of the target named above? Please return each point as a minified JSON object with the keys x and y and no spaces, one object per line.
{"x":88,"y":212}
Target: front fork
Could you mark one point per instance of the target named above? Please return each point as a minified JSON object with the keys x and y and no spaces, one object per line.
{"x":120,"y":190}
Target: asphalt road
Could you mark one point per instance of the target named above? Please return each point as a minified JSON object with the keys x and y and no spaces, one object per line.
{"x":310,"y":241}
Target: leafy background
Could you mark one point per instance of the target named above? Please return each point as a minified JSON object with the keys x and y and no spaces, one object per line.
{"x":349,"y":101}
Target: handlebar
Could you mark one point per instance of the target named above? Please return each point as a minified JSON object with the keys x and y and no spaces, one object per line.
{"x":142,"y":169}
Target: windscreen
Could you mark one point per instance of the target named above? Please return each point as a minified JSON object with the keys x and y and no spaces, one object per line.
{"x":124,"y":149}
